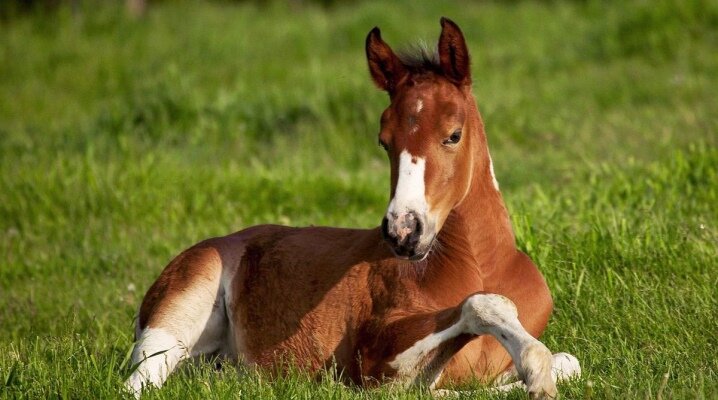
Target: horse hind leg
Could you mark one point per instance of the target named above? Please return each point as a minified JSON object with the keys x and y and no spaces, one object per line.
{"x":182,"y":316}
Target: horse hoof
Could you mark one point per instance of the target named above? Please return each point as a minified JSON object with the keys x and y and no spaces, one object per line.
{"x":536,"y":362}
{"x":565,"y":366}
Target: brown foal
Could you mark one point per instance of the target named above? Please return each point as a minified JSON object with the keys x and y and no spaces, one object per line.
{"x":437,"y":294}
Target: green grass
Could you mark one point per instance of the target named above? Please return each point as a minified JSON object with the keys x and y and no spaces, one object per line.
{"x":124,"y":141}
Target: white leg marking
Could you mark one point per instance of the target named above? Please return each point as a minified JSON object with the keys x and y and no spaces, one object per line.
{"x":435,"y":382}
{"x":198,"y":326}
{"x":157,"y":352}
{"x":486,"y":314}
{"x":565,"y":366}
{"x":408,"y":363}
{"x":497,"y":316}
{"x":493,"y":176}
{"x":410,"y":192}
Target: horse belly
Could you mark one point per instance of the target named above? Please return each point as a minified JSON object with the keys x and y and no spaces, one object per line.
{"x":286,"y":312}
{"x":310,"y":343}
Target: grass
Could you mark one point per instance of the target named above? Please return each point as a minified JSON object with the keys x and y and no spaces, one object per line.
{"x":124,"y":141}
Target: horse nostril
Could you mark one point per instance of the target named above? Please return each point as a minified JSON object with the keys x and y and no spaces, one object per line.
{"x":385,"y":228}
{"x":419,"y":227}
{"x":415,"y":234}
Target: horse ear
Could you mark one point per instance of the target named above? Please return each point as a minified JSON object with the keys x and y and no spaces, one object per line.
{"x":385,"y":67}
{"x":453,"y":54}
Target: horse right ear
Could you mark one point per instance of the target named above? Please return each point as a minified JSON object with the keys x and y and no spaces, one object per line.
{"x":386,"y":69}
{"x":453,"y":53}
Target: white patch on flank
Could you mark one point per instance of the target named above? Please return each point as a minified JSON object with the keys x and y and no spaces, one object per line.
{"x":493,"y":176}
{"x":409,"y":194}
{"x":419,"y":106}
{"x":157,"y":352}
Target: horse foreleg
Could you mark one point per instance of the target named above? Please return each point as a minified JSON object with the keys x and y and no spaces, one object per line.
{"x":564,"y":366}
{"x":480,"y":314}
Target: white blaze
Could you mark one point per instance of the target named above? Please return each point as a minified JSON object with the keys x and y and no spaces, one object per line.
{"x":419,"y":106}
{"x":409,"y":194}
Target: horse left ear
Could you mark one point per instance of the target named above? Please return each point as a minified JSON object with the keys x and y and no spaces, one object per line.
{"x":386,"y":69}
{"x":453,"y":54}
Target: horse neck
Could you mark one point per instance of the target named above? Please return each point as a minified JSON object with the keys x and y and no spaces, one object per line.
{"x":481,"y":221}
{"x":476,"y":239}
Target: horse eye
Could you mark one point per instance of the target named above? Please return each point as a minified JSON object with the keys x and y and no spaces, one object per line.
{"x":454,"y":138}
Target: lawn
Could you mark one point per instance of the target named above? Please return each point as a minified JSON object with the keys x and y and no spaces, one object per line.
{"x":124,"y":141}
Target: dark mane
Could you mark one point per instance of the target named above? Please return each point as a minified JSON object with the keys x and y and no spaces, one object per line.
{"x":419,"y":59}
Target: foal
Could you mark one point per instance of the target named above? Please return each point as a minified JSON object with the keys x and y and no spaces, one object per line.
{"x":438,"y":294}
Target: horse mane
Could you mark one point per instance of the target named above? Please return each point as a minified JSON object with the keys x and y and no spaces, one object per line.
{"x":419,"y":59}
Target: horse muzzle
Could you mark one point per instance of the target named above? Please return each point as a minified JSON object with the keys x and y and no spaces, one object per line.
{"x":407,"y":234}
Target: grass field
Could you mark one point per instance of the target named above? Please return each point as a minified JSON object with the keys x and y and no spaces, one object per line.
{"x":125,"y":141}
